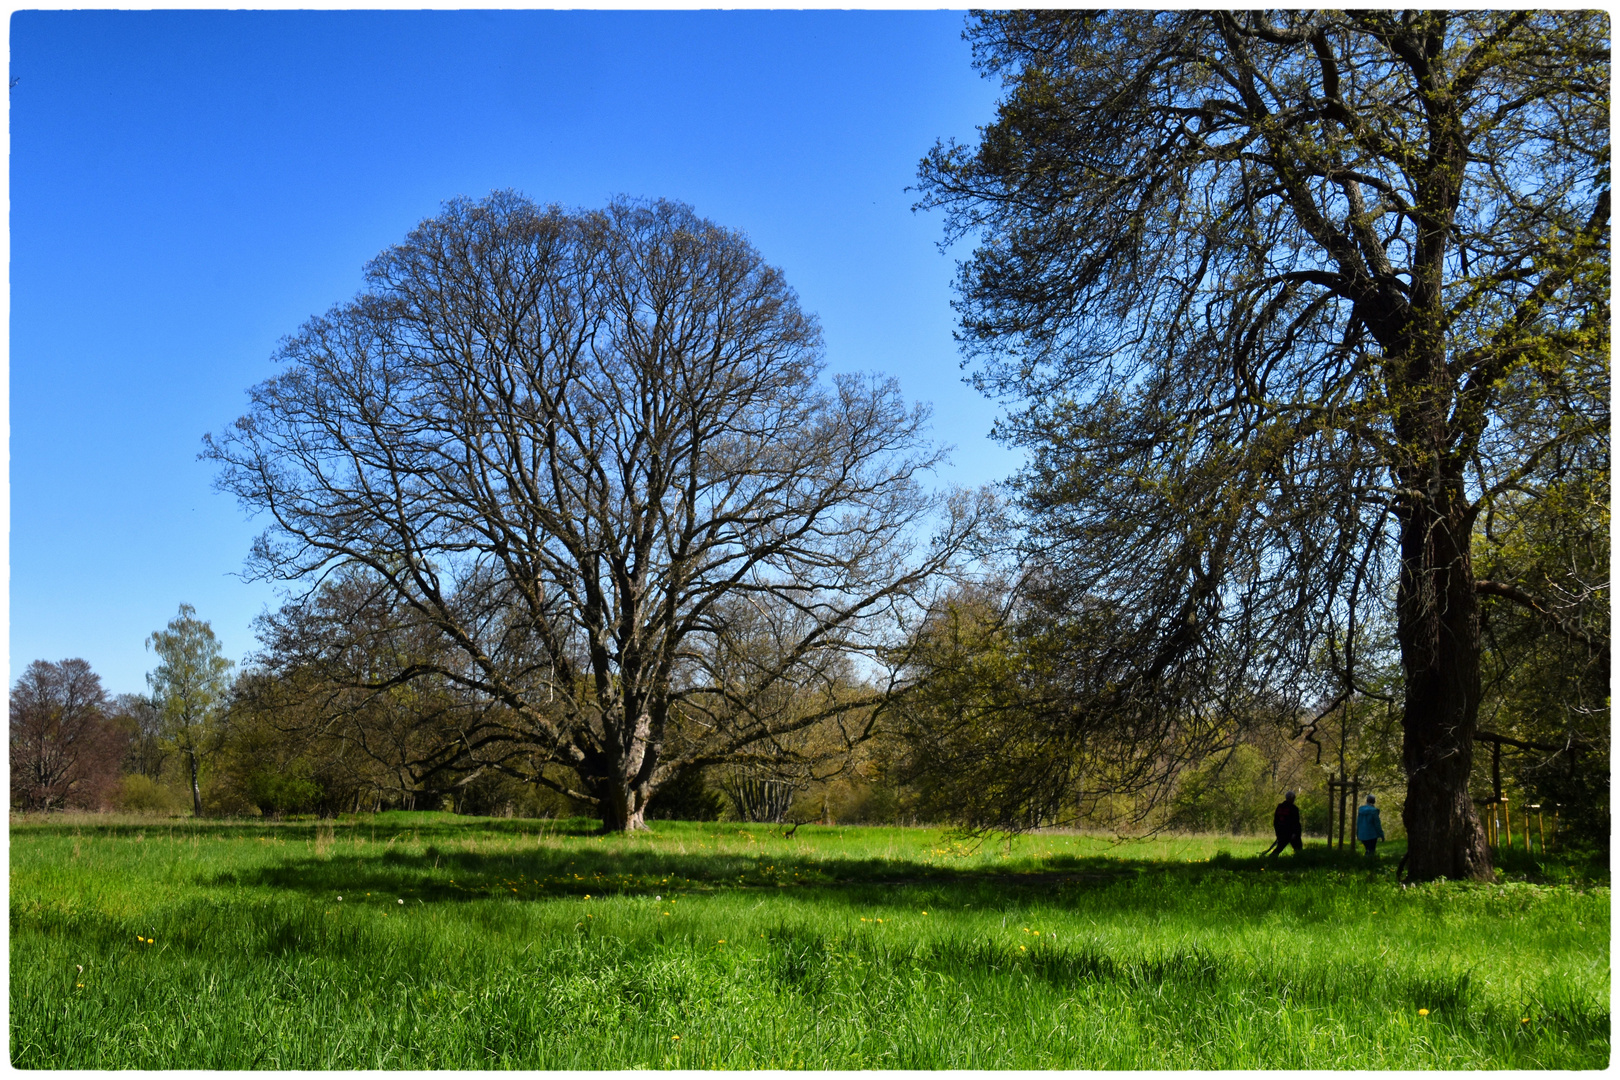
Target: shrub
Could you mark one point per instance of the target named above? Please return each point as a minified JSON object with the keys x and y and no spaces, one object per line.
{"x":140,"y":794}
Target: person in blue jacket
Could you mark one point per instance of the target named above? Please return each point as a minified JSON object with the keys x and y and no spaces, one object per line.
{"x":1369,"y":830}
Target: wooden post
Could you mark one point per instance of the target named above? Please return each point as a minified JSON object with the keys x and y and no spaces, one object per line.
{"x":1330,"y":813}
{"x":1507,"y":815}
{"x":1527,"y":828}
{"x":1541,"y":830}
{"x":1343,"y":790}
{"x":1355,"y":808}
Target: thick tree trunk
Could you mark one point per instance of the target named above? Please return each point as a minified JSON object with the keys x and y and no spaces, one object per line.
{"x":623,"y":807}
{"x":623,"y":781}
{"x":1438,"y":629}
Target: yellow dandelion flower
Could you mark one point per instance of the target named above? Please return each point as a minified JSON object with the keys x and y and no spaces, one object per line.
{"x":1023,"y":948}
{"x":1526,"y":1020}
{"x":1423,"y":1012}
{"x":677,"y":1038}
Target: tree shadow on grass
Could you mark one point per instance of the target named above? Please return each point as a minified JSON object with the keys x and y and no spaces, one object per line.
{"x":379,"y":828}
{"x":444,"y":872}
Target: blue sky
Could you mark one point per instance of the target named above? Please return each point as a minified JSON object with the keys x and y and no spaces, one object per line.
{"x":188,"y":187}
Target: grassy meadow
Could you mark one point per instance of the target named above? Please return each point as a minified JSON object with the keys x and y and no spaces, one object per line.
{"x":430,"y":941}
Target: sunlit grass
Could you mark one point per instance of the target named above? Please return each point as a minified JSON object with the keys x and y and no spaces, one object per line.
{"x":495,"y":943}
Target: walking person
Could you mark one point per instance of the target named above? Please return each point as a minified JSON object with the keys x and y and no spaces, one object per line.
{"x":1286,"y":824}
{"x":1369,"y":829}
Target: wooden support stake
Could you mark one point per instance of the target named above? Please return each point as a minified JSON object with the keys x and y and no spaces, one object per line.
{"x":1330,"y":814}
{"x":1507,"y":815}
{"x":1355,"y":808}
{"x":1342,"y":792}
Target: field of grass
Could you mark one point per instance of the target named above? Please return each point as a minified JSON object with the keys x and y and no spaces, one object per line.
{"x":429,"y":941}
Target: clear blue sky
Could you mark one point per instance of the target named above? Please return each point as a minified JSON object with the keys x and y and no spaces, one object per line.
{"x":188,"y":187}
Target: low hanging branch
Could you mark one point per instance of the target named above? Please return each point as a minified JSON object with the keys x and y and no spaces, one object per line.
{"x":1547,"y":616}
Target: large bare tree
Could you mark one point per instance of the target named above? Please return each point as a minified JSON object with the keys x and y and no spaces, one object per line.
{"x":1292,"y":299}
{"x":570,"y":445}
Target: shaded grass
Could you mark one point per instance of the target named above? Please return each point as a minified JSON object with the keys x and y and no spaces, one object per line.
{"x":225,"y":946}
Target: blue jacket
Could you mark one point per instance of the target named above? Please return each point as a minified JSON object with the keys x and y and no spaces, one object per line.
{"x":1368,"y":827}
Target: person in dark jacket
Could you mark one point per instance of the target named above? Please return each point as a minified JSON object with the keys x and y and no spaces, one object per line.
{"x":1286,"y":824}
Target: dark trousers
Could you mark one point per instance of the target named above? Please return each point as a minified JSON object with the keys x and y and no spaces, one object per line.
{"x":1285,"y":841}
{"x":1371,"y":846}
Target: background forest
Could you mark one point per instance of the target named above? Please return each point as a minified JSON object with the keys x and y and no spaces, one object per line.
{"x":286,"y":748}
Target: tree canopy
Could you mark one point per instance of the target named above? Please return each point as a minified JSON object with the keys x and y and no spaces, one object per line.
{"x":588,"y":462}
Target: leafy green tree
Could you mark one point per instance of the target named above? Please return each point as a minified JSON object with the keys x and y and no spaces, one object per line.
{"x":1021,"y":712}
{"x":1546,"y":671}
{"x":188,"y":688}
{"x":1232,"y":793}
{"x":1287,"y":301}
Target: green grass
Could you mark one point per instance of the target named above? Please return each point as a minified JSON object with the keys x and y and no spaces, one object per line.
{"x":539,"y":945}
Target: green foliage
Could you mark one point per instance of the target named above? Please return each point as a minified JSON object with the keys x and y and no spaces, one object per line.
{"x":1024,"y":712}
{"x":1233,"y":792}
{"x":140,"y":794}
{"x":525,"y":944}
{"x":1547,"y":670}
{"x":687,"y":797}
{"x":188,"y":688}
{"x":278,"y":792}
